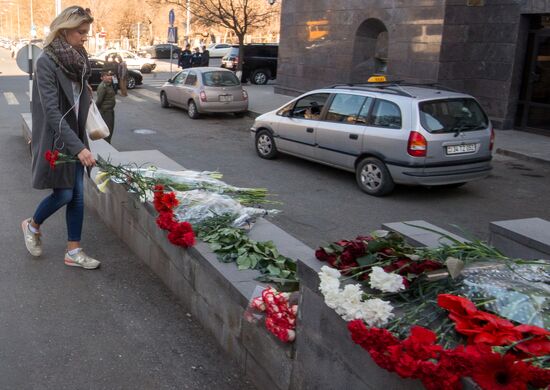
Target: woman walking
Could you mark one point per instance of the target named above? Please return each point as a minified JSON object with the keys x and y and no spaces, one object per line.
{"x":60,"y":102}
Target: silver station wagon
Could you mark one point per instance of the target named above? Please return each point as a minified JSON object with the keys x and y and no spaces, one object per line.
{"x":205,"y":90}
{"x":387,"y":133}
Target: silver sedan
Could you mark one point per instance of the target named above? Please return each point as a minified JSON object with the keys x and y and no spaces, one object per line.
{"x":205,"y":90}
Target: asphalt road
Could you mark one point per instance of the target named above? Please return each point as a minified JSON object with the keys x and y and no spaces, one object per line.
{"x":322,"y":204}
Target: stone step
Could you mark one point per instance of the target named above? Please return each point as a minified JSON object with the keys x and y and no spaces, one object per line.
{"x":527,"y":238}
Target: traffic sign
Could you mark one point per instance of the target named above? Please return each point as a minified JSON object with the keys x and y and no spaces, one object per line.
{"x":171,"y":17}
{"x":172,"y":35}
{"x":22,"y":57}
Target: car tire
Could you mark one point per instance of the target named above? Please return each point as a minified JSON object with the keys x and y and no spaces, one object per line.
{"x":131,"y":83}
{"x":164,"y":100}
{"x":265,"y":145}
{"x":260,"y":77}
{"x":192,"y":110}
{"x":373,"y":177}
{"x":146,"y":69}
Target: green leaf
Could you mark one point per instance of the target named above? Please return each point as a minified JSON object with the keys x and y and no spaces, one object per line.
{"x":367,"y":260}
{"x":376,"y":246}
{"x":275,"y":271}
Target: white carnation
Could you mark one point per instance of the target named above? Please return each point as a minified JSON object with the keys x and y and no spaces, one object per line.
{"x":347,"y":302}
{"x":377,"y":312}
{"x":384,"y":281}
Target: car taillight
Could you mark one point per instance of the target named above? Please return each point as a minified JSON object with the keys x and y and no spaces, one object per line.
{"x":417,"y":146}
{"x":203,"y":96}
{"x":492,"y":141}
{"x":245,"y":95}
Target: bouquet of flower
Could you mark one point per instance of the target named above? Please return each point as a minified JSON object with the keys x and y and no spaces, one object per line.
{"x":407,"y":311}
{"x":280,"y":315}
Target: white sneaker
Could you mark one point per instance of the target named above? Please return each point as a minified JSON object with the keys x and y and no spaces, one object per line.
{"x":81,"y":259}
{"x":32,"y":240}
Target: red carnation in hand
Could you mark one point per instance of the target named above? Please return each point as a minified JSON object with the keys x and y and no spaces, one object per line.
{"x":51,"y":157}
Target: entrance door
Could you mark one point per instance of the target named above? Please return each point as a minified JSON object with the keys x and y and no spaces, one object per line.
{"x":535,"y":103}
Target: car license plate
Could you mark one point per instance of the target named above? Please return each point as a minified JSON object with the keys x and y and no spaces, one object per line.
{"x":459,"y":149}
{"x":226,"y":98}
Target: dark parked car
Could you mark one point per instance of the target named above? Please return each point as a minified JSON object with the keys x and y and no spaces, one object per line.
{"x":259,"y":62}
{"x":162,"y":50}
{"x":134,"y":76}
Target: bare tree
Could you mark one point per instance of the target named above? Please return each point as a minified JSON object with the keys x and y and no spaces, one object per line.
{"x":239,"y":16}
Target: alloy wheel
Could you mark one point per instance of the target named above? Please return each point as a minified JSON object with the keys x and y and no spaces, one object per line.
{"x":371,"y":177}
{"x":264,"y":144}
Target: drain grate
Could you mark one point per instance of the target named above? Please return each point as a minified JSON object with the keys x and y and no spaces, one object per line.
{"x":144,"y":131}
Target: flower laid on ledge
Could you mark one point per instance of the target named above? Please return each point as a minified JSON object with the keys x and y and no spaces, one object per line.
{"x":432,"y":333}
{"x":348,"y":302}
{"x":506,"y":357}
{"x":280,"y":314}
{"x":179,"y":233}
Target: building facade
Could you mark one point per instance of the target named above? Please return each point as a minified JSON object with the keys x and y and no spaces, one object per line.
{"x":496,"y":50}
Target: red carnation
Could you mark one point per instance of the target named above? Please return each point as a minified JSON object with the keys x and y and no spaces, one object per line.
{"x":182,"y":235}
{"x":51,"y":157}
{"x":165,"y":220}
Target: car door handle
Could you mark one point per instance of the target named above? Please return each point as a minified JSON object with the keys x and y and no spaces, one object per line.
{"x":309,"y":129}
{"x":354,"y":136}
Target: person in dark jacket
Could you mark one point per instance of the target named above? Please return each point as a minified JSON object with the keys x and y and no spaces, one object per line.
{"x":196,"y":58}
{"x":106,"y":101}
{"x":111,"y":65}
{"x":185,"y":57}
{"x":61,"y":98}
{"x":205,"y":56}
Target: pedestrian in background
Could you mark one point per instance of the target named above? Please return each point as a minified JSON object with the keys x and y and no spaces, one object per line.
{"x":205,"y":56}
{"x":61,"y":99}
{"x":106,"y":101}
{"x":196,"y":58}
{"x":111,"y":65}
{"x":185,"y":57}
{"x":122,"y":72}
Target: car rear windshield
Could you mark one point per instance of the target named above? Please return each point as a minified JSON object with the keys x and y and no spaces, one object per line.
{"x":219,"y":79}
{"x":451,"y":115}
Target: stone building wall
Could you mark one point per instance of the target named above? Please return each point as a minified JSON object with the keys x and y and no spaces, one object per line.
{"x":476,"y":46}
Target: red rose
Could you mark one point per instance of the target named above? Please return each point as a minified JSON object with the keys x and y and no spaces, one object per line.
{"x":321,"y":254}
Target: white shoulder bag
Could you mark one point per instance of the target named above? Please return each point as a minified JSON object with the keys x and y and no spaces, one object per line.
{"x":95,"y":125}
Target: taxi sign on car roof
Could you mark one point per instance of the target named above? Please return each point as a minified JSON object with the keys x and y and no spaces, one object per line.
{"x":377,"y":79}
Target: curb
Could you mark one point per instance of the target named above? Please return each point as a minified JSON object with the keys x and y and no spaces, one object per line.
{"x":522,"y":156}
{"x":252,"y":114}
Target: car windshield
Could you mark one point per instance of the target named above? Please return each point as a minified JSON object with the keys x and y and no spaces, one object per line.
{"x":219,"y":79}
{"x":452,"y":115}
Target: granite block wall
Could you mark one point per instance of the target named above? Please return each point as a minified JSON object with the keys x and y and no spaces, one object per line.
{"x":476,"y":46}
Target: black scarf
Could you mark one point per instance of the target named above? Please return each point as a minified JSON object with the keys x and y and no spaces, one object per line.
{"x":73,"y":61}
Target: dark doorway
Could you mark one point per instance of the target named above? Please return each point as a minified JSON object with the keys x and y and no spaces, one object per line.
{"x":370,"y":51}
{"x":533,"y":112}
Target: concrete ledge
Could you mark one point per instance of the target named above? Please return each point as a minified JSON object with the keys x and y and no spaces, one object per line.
{"x":523,"y":156}
{"x":525,"y":238}
{"x":417,"y":236}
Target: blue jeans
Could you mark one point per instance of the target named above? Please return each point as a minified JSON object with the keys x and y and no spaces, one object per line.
{"x":73,"y":198}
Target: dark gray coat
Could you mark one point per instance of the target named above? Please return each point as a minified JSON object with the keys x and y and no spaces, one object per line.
{"x":52,"y":97}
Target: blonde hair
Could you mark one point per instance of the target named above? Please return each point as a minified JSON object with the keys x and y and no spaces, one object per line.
{"x":70,"y":18}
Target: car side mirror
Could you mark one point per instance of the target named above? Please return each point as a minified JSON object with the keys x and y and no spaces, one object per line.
{"x":171,"y":81}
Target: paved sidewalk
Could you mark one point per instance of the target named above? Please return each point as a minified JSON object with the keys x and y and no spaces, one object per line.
{"x":513,"y":143}
{"x":118,"y":327}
